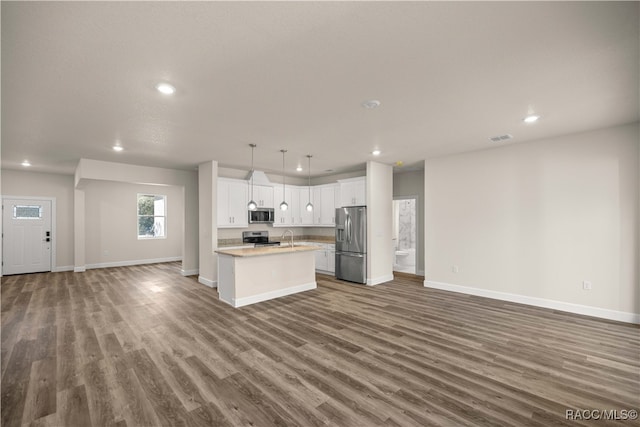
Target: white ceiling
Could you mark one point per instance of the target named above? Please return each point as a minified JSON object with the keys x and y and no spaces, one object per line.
{"x":79,"y":76}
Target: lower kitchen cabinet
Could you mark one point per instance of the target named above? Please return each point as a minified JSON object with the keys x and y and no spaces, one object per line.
{"x":331,"y":260}
{"x":325,"y":258}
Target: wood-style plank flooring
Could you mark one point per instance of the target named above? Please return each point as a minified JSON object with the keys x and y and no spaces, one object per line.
{"x":144,"y":346}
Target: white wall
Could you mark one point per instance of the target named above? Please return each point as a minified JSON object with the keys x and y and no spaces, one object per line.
{"x":111,"y":235}
{"x":407,"y":184}
{"x":379,"y":190}
{"x":92,"y":170}
{"x":34,"y":184}
{"x":530,"y":222}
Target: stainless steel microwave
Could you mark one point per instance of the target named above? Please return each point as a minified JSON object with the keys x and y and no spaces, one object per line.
{"x":261,"y":216}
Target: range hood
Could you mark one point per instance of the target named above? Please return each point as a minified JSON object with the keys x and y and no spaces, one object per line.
{"x":259,"y":178}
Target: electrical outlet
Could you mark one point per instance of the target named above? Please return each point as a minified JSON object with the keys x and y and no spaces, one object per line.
{"x":586,"y":285}
{"x":455,"y":269}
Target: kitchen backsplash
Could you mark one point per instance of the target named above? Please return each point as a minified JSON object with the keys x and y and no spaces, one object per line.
{"x":233,"y":236}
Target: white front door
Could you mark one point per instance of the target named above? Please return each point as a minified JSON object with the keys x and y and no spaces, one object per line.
{"x":27,"y":239}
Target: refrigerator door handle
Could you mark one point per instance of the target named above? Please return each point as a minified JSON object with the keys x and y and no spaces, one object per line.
{"x":351,"y":254}
{"x":348,"y":223}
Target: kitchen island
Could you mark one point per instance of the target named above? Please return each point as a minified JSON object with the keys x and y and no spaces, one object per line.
{"x":250,"y":275}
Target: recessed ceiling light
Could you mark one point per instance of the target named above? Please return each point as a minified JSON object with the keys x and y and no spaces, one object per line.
{"x":26,"y":163}
{"x":376,"y":152}
{"x":532,"y":118}
{"x":299,"y":168}
{"x":370,"y":104}
{"x":165,"y":88}
{"x":117,"y":148}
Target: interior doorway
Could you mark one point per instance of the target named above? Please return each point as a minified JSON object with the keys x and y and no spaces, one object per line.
{"x":405,"y":234}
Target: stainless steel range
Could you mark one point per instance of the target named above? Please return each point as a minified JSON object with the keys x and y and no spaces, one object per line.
{"x":258,"y":238}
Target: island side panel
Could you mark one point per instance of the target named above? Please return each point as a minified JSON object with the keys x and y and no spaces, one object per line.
{"x":262,"y":278}
{"x":226,"y":278}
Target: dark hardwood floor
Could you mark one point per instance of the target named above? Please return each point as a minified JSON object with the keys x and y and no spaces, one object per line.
{"x":144,"y":346}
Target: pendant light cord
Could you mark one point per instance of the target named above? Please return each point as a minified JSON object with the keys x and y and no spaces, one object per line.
{"x":309,"y":182}
{"x":252,"y":171}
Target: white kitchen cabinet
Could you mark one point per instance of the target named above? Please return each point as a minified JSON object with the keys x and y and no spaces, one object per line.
{"x":324,"y":206}
{"x":306,"y":217}
{"x":294,"y":206}
{"x":232,"y":203}
{"x":325,"y":258}
{"x":321,"y":260}
{"x":353,"y":192}
{"x":331,"y":260}
{"x":282,"y":218}
{"x":296,"y":215}
{"x":262,"y":195}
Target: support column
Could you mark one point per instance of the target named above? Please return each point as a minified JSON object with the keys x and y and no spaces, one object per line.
{"x":78,"y":231}
{"x":208,"y":222}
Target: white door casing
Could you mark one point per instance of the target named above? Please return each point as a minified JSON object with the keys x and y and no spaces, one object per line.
{"x":27,"y":239}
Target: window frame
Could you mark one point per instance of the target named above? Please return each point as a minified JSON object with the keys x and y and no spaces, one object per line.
{"x":138,"y":216}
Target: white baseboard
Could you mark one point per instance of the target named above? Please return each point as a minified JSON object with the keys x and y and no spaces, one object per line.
{"x":133,"y":262}
{"x":240,"y":302}
{"x":189,"y":272}
{"x":62,"y":268}
{"x":378,"y":280}
{"x":586,"y":310}
{"x":80,"y":269}
{"x":207,"y":282}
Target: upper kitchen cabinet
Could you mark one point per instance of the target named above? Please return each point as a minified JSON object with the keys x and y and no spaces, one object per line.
{"x":282,"y":218}
{"x":306,"y":217}
{"x":324,"y":204}
{"x":262,"y":195}
{"x":353,"y":192}
{"x":232,"y":203}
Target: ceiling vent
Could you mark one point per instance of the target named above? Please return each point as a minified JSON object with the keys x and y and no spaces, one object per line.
{"x":501,"y":138}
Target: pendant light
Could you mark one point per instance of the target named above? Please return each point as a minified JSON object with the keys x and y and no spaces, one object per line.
{"x":283,"y":206}
{"x":252,"y":205}
{"x":309,"y":205}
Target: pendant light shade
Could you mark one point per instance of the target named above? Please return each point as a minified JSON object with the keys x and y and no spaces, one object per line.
{"x":309,"y":205}
{"x":252,"y":205}
{"x":283,"y":206}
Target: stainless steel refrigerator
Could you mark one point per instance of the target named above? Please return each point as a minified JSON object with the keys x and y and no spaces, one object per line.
{"x":351,"y":244}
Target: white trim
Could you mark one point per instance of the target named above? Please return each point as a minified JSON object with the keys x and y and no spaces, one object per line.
{"x":62,"y":268}
{"x":585,"y":310}
{"x":81,"y":269}
{"x":240,"y":302}
{"x":378,"y":280}
{"x":133,"y":262}
{"x":54,"y":233}
{"x":419,"y":272}
{"x":190,"y":272}
{"x":207,"y":282}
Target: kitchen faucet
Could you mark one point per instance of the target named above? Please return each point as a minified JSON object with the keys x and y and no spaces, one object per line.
{"x":284,"y":234}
